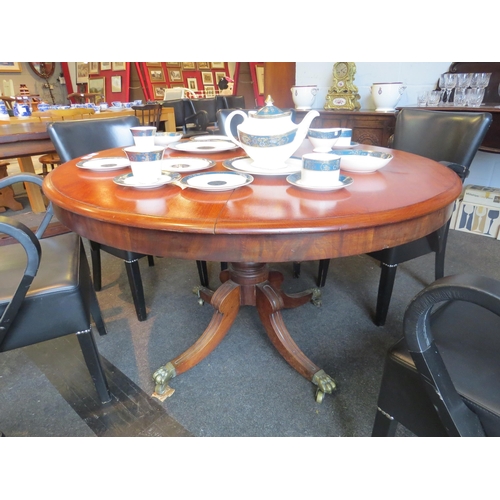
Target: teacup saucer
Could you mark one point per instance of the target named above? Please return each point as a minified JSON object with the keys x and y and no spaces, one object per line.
{"x":295,"y":180}
{"x":128,"y":180}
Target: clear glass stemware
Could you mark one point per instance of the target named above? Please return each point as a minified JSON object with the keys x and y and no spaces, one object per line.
{"x":450,"y":81}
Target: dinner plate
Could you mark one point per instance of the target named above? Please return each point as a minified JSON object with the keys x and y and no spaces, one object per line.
{"x":203,"y":146}
{"x":244,"y":164}
{"x":352,"y":145}
{"x":129,"y":181}
{"x":182,"y":164}
{"x":216,"y":181}
{"x":294,"y":179}
{"x":213,"y":137}
{"x":104,"y":164}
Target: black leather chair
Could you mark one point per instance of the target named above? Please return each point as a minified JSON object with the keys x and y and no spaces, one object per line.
{"x":451,"y":138}
{"x":149,"y":114}
{"x":235,"y":101}
{"x":46,"y":290}
{"x":78,"y":138}
{"x":443,"y":377}
{"x":211,"y":105}
{"x":187,"y":119}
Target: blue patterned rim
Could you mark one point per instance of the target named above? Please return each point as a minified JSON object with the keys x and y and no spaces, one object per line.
{"x":360,"y":152}
{"x":321,"y":165}
{"x":324,"y":134}
{"x":267,"y":141}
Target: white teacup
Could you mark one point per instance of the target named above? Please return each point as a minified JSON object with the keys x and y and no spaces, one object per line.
{"x":144,"y":136}
{"x":345,"y":137}
{"x":323,"y":139}
{"x":145,"y":162}
{"x":320,"y":169}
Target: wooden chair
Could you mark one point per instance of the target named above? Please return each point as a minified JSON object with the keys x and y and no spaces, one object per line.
{"x":71,"y":114}
{"x":51,"y":160}
{"x":149,"y":114}
{"x":7,"y":193}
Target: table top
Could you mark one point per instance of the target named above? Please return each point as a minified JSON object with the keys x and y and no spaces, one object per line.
{"x":269,"y":220}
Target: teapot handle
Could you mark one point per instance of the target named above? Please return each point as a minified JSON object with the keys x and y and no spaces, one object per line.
{"x":227,"y":125}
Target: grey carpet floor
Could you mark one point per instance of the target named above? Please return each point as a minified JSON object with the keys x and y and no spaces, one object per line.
{"x":243,"y":388}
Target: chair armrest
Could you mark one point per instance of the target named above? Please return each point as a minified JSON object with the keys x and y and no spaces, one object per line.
{"x":200,"y":119}
{"x":461,"y":170}
{"x":33,"y":179}
{"x":31,"y":246}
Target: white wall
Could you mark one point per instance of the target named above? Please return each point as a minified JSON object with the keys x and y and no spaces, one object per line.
{"x":417,"y":76}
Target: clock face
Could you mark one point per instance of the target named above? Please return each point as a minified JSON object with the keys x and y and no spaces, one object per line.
{"x":341,"y":69}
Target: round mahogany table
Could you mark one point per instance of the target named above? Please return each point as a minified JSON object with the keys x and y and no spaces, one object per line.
{"x":249,"y":227}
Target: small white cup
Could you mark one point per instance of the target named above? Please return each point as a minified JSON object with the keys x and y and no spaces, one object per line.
{"x":323,"y":139}
{"x":345,"y":137}
{"x":320,"y":169}
{"x":144,"y":136}
{"x":145,"y":162}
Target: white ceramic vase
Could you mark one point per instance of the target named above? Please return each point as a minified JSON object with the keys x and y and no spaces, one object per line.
{"x":303,"y":96}
{"x":387,"y":95}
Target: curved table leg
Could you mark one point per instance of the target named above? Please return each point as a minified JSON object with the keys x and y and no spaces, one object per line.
{"x":226,"y":301}
{"x":270,"y":302}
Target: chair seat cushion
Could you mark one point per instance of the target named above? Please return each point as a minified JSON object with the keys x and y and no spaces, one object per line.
{"x":468,"y":338}
{"x":54,"y":293}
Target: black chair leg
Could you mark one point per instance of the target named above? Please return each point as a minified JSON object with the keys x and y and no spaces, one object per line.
{"x":95,"y":255}
{"x":386,"y":284}
{"x":202,"y":272}
{"x":441,"y":251}
{"x":223,"y":266}
{"x":151,"y":261}
{"x":93,"y":361}
{"x":384,"y":426}
{"x":135,"y":282}
{"x":296,"y":270}
{"x":322,"y":272}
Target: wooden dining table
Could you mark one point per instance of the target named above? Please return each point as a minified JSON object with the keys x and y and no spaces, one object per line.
{"x":251,"y":227}
{"x":25,"y":137}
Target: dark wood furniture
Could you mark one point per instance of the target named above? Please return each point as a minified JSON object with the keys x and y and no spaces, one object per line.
{"x":368,"y":127}
{"x":267,"y":221}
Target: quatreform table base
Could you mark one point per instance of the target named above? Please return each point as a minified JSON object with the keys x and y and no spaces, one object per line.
{"x":255,"y":285}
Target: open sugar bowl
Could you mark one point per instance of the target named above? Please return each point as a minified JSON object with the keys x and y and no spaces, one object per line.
{"x":362,"y":161}
{"x":320,"y":169}
{"x":166,"y":138}
{"x":323,"y":139}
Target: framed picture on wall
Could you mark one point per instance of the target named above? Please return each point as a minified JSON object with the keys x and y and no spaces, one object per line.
{"x":173,"y":64}
{"x":175,"y":75}
{"x":93,"y":68}
{"x":116,"y":83}
{"x":192,"y":84}
{"x":119,"y":66}
{"x":219,"y":75}
{"x":217,"y":65}
{"x":82,"y":72}
{"x":209,"y":91}
{"x":188,"y":66}
{"x":153,"y":64}
{"x":98,"y":86}
{"x":203,"y":65}
{"x":156,"y":75}
{"x":105,"y":66}
{"x":207,"y":78}
{"x":10,"y":67}
{"x":159,"y":91}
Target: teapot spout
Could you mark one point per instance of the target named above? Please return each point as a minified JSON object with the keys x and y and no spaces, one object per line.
{"x":305,"y":124}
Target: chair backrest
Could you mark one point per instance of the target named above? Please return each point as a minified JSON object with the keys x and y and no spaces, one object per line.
{"x":441,"y":135}
{"x":235,"y":101}
{"x":78,"y":138}
{"x":70,"y":114}
{"x":183,"y":110}
{"x":149,"y":114}
{"x":208,"y":104}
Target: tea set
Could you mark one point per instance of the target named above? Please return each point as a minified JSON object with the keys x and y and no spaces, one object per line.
{"x":269,"y":138}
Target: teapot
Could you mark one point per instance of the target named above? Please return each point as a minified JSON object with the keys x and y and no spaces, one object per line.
{"x":269,"y":136}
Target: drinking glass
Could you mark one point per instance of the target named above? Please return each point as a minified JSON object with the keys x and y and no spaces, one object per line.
{"x":422,"y":98}
{"x":463,"y":80}
{"x":459,"y":98}
{"x":483,"y":79}
{"x":474,"y":96}
{"x":450,"y":81}
{"x":434,"y":98}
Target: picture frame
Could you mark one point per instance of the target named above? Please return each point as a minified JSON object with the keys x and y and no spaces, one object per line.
{"x":119,"y":66}
{"x":188,"y":66}
{"x":203,"y":65}
{"x":209,"y":91}
{"x":105,"y":66}
{"x":192,"y":84}
{"x":116,"y":83}
{"x":156,"y":75}
{"x":98,"y":86}
{"x":218,"y":65}
{"x":10,"y":67}
{"x":173,"y":64}
{"x":153,"y":64}
{"x":207,"y":78}
{"x":219,"y":75}
{"x":175,"y":75}
{"x":259,"y":71}
{"x":159,"y":91}
{"x":82,"y":72}
{"x":93,"y":68}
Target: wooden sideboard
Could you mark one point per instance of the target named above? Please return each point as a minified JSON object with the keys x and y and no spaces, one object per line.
{"x":368,"y":127}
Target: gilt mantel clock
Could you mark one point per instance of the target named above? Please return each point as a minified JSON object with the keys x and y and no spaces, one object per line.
{"x":343,"y":94}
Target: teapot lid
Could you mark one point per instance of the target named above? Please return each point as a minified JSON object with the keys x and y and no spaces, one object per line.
{"x":270,"y":111}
